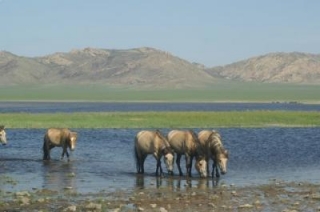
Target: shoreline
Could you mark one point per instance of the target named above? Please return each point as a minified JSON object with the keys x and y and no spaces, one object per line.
{"x":275,"y":196}
{"x":307,"y":102}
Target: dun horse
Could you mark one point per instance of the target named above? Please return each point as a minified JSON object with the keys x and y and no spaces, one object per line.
{"x":3,"y":138}
{"x":61,"y":138}
{"x":186,"y":143}
{"x":211,"y":141}
{"x":152,"y":142}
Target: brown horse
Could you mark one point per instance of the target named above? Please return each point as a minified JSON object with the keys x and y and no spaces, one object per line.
{"x":3,"y":138}
{"x":186,"y":143}
{"x":211,"y":141}
{"x":59,"y":137}
{"x":152,"y":142}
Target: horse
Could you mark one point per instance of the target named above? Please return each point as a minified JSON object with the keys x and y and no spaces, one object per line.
{"x":211,"y":141}
{"x":3,"y":138}
{"x":152,"y":142}
{"x":187,"y":143}
{"x":61,"y":138}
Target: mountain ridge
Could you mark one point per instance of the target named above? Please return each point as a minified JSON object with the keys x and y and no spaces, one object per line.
{"x":150,"y":67}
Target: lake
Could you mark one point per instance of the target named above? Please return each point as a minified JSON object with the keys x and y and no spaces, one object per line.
{"x":103,"y":160}
{"x":68,"y":107}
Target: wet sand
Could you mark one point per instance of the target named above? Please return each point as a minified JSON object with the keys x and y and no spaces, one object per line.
{"x":275,"y":196}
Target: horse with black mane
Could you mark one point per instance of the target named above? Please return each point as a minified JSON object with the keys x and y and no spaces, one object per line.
{"x":61,"y":138}
{"x":3,"y":138}
{"x":211,"y":141}
{"x":187,"y":143}
{"x":152,"y":142}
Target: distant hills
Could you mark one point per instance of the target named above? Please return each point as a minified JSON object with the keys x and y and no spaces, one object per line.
{"x":274,"y":67}
{"x":149,"y":67}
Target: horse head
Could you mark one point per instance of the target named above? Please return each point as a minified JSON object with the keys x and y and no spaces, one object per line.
{"x":201,"y":166}
{"x":222,"y":160}
{"x":168,"y":157}
{"x":72,"y":140}
{"x":3,"y":138}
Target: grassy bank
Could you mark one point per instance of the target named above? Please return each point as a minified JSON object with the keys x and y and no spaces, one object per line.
{"x":220,"y":91}
{"x":162,"y":119}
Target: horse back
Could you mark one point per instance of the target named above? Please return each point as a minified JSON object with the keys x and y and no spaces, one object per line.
{"x":176,"y":140}
{"x":144,"y":142}
{"x":204,"y":136}
{"x":149,"y":142}
{"x":183,"y":141}
{"x":57,"y":137}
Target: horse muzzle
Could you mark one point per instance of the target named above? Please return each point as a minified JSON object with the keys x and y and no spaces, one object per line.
{"x":203,"y":175}
{"x":223,"y":172}
{"x":170,"y":172}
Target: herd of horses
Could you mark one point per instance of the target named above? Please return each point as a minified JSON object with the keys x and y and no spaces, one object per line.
{"x":204,"y":147}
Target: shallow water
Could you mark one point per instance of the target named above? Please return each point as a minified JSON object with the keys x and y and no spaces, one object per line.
{"x":103,"y":160}
{"x":68,"y":107}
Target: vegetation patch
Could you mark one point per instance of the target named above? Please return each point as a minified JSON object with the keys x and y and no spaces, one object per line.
{"x":225,"y":91}
{"x":162,"y":119}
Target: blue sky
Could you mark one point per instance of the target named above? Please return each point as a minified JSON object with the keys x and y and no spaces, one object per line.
{"x":209,"y":32}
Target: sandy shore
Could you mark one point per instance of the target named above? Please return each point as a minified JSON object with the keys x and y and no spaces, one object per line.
{"x":275,"y":196}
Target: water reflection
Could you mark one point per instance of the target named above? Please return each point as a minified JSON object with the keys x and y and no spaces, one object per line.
{"x":175,"y":183}
{"x":59,"y":175}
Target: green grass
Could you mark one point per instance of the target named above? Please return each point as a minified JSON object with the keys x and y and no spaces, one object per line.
{"x":162,"y":119}
{"x":220,"y":91}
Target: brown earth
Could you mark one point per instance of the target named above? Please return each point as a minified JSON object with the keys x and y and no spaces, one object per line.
{"x":275,"y":196}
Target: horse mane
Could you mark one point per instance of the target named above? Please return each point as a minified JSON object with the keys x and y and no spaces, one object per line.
{"x":194,"y":135}
{"x":1,"y":127}
{"x":163,"y":138}
{"x":215,"y":139}
{"x":199,"y":149}
{"x":218,"y":145}
{"x":166,"y":147}
{"x":167,"y":150}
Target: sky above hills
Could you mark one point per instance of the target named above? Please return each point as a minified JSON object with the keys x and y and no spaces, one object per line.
{"x":206,"y":31}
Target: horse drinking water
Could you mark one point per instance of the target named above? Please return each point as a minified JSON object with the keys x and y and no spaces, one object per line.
{"x":152,"y":142}
{"x":187,"y":143}
{"x":59,"y":137}
{"x":211,"y":141}
{"x":3,"y":138}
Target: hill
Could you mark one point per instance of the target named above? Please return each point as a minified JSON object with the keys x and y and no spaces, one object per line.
{"x":273,"y":68}
{"x":138,"y":67}
{"x":149,"y":67}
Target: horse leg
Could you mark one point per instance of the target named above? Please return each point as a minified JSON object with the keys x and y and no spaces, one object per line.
{"x":67,"y":153}
{"x":208,"y":170}
{"x":46,"y":151}
{"x":158,"y":167}
{"x":189,"y":165}
{"x":138,"y":165}
{"x":64,"y":151}
{"x":178,"y":164}
{"x":215,"y":168}
{"x":217,"y":172}
{"x":138,"y":161}
{"x":142,"y":159}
